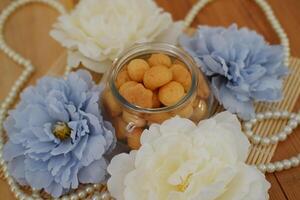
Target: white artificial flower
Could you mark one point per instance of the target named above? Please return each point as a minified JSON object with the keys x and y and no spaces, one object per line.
{"x":181,"y":161}
{"x":97,"y":31}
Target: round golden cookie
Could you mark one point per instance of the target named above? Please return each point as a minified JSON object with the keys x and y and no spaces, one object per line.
{"x":126,"y":85}
{"x":186,"y":111}
{"x":130,"y":117}
{"x":136,"y":69}
{"x":134,"y":138}
{"x":170,"y":93}
{"x":157,"y":76}
{"x":138,"y":95}
{"x":122,"y":78}
{"x":182,"y":75}
{"x":159,"y":59}
{"x":157,"y":117}
{"x":120,"y":128}
{"x":176,"y":61}
{"x":155,"y":101}
{"x":200,"y":111}
{"x":203,"y":89}
{"x":110,"y":104}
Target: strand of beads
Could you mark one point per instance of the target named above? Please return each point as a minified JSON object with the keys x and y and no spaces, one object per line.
{"x":294,"y":120}
{"x":266,"y":8}
{"x":29,"y":68}
{"x":280,"y":165}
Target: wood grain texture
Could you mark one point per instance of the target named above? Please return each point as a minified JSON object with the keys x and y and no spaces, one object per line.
{"x":27,"y":32}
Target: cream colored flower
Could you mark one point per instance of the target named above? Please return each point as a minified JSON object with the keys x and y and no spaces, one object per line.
{"x":97,"y":31}
{"x":181,"y":161}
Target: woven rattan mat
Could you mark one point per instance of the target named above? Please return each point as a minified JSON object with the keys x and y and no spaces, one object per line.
{"x":263,"y":154}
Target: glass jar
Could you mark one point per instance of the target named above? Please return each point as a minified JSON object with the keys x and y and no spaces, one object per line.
{"x":130,"y":120}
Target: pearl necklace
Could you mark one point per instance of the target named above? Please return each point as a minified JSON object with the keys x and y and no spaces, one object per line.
{"x":29,"y":68}
{"x":94,"y":189}
{"x":294,"y":119}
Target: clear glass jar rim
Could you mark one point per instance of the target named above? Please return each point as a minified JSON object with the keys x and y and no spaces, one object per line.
{"x":147,"y":48}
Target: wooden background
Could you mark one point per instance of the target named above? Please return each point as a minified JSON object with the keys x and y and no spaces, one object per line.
{"x":27,"y":32}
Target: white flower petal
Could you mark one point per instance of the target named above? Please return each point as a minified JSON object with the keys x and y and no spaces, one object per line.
{"x":75,"y":58}
{"x":181,"y":161}
{"x":248,"y":184}
{"x":172,"y":34}
{"x":119,"y":167}
{"x":177,"y":125}
{"x":100,"y":30}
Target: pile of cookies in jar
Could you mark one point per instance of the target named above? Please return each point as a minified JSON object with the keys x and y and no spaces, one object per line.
{"x":151,"y":83}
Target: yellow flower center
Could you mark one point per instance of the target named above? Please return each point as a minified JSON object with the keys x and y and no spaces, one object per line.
{"x":184,"y":183}
{"x":61,"y":130}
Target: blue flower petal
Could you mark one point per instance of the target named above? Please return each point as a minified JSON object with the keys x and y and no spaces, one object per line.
{"x":55,"y":189}
{"x":33,"y":165}
{"x":239,"y":62}
{"x":57,"y":162}
{"x":244,"y":109}
{"x":12,"y":150}
{"x":94,"y":150}
{"x":38,"y":179}
{"x":36,"y":157}
{"x":40,"y":147}
{"x":78,"y":151}
{"x":93,"y":173}
{"x":268,"y":89}
{"x":17,"y":170}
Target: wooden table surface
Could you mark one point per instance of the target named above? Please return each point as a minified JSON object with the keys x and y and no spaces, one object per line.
{"x":27,"y":32}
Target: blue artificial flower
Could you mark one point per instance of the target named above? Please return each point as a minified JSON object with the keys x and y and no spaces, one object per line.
{"x":57,"y":135}
{"x":241,"y":66}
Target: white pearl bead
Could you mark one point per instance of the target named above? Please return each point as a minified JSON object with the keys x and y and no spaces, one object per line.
{"x":270,"y":168}
{"x":282,"y":136}
{"x":256,"y":139}
{"x":285,"y":114}
{"x":23,"y":197}
{"x":74,"y":197}
{"x":259,"y":116}
{"x":262,"y":167}
{"x":266,"y":141}
{"x":292,"y":115}
{"x":253,"y":120}
{"x":96,"y":197}
{"x":248,"y":125}
{"x":13,"y":188}
{"x":276,"y":115}
{"x":287,"y":130}
{"x":82,"y":194}
{"x":104,"y":196}
{"x":278,"y":166}
{"x":249,"y":133}
{"x":293,"y":123}
{"x":274,"y":139}
{"x":65,"y":198}
{"x":89,"y":190}
{"x":18,"y":194}
{"x":96,"y":186}
{"x":295,"y":161}
{"x":286,"y":164}
{"x":10,"y":181}
{"x":268,"y":115}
